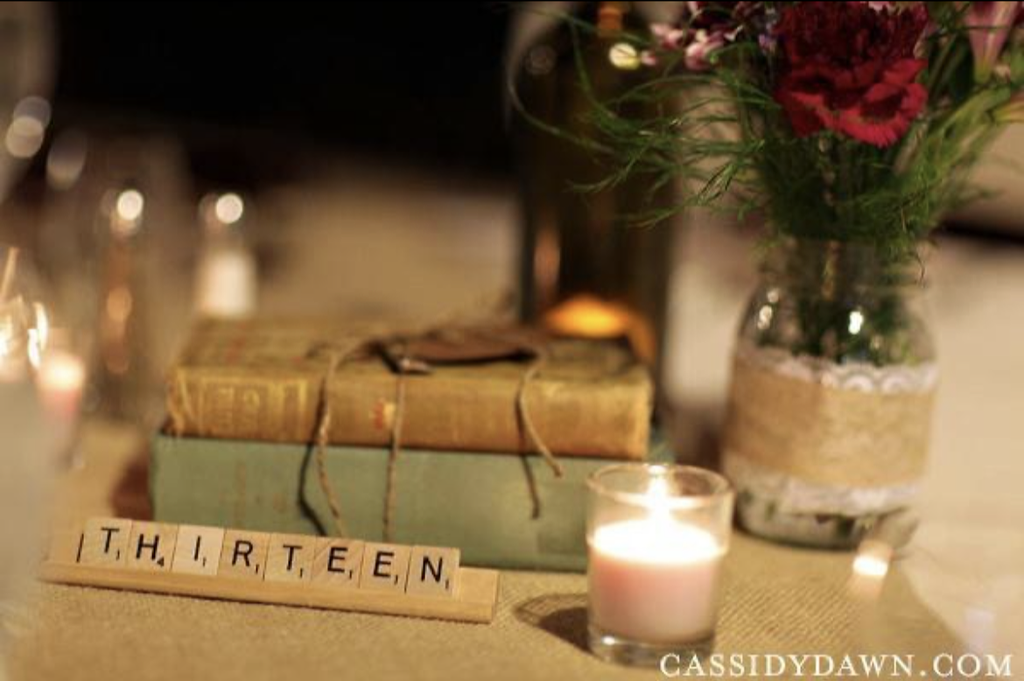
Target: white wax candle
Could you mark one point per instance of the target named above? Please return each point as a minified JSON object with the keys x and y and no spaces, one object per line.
{"x":226,"y":285}
{"x":654,"y":580}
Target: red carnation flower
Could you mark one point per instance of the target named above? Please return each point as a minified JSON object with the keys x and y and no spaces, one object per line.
{"x":850,"y":68}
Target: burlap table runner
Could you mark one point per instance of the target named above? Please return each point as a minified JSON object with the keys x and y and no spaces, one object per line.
{"x":777,"y":600}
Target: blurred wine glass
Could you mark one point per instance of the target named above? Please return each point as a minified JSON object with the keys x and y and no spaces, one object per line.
{"x":116,"y":243}
{"x":26,"y":80}
{"x":26,"y":434}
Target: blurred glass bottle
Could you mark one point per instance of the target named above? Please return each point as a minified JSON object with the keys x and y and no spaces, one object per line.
{"x":122,"y":376}
{"x":586,"y":268}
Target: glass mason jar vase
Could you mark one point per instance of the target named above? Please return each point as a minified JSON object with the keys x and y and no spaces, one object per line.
{"x":830,"y":404}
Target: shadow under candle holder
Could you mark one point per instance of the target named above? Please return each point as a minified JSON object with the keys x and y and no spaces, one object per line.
{"x":561,"y":615}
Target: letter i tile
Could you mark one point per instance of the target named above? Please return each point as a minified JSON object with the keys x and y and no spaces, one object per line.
{"x":198,"y":550}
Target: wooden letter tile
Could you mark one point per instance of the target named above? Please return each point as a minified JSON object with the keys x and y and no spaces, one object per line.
{"x":197,"y":550}
{"x":151,"y":546}
{"x":105,"y":541}
{"x":244,"y":554}
{"x":338,"y":561}
{"x":385,"y":567}
{"x":290,"y":558}
{"x":432,"y":571}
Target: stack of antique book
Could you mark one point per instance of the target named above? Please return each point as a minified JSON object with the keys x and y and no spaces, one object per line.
{"x":426,"y":439}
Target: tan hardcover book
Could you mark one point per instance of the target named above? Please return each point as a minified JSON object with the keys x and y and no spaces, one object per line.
{"x":261,"y":380}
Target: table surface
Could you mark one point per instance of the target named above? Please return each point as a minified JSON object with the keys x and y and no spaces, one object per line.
{"x":779,"y":600}
{"x":436,"y":247}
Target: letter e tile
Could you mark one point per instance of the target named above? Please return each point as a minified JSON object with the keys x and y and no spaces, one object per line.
{"x":338,"y":562}
{"x":385,"y":567}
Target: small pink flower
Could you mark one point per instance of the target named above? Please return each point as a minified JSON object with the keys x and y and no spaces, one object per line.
{"x":669,"y":37}
{"x":988,"y":25}
{"x":698,"y":52}
{"x":703,"y":28}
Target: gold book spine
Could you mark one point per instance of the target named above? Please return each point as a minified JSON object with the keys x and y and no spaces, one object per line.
{"x":440,"y":413}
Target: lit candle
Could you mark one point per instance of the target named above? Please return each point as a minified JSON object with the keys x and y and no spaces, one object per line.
{"x":655,"y":583}
{"x":587,"y":316}
{"x":60,"y":379}
{"x":226,"y":275}
{"x":656,"y":547}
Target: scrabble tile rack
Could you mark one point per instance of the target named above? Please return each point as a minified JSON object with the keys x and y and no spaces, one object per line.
{"x":474,"y":598}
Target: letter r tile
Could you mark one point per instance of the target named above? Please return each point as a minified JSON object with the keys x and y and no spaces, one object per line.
{"x":244,"y":554}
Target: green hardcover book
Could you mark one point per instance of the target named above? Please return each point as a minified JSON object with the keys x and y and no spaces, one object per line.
{"x":480,"y":503}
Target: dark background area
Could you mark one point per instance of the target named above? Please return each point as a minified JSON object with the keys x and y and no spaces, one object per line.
{"x":260,"y":92}
{"x":252,"y":88}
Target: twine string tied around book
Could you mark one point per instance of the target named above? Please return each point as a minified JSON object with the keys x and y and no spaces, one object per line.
{"x":416,"y":354}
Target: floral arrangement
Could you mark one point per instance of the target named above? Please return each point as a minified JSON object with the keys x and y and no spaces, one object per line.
{"x":847,"y":121}
{"x":850,"y":128}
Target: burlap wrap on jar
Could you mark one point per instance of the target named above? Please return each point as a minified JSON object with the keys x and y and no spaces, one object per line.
{"x":816,"y":437}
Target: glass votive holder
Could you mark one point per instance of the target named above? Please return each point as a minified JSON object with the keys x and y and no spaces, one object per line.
{"x":656,"y":539}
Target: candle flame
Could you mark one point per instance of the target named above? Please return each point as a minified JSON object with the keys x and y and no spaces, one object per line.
{"x":229,"y":208}
{"x":589,"y":317}
{"x":38,"y":335}
{"x":61,"y":371}
{"x":659,"y":497}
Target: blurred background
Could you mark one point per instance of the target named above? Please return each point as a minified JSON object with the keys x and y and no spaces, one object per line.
{"x":416,"y":83}
{"x":171,"y":160}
